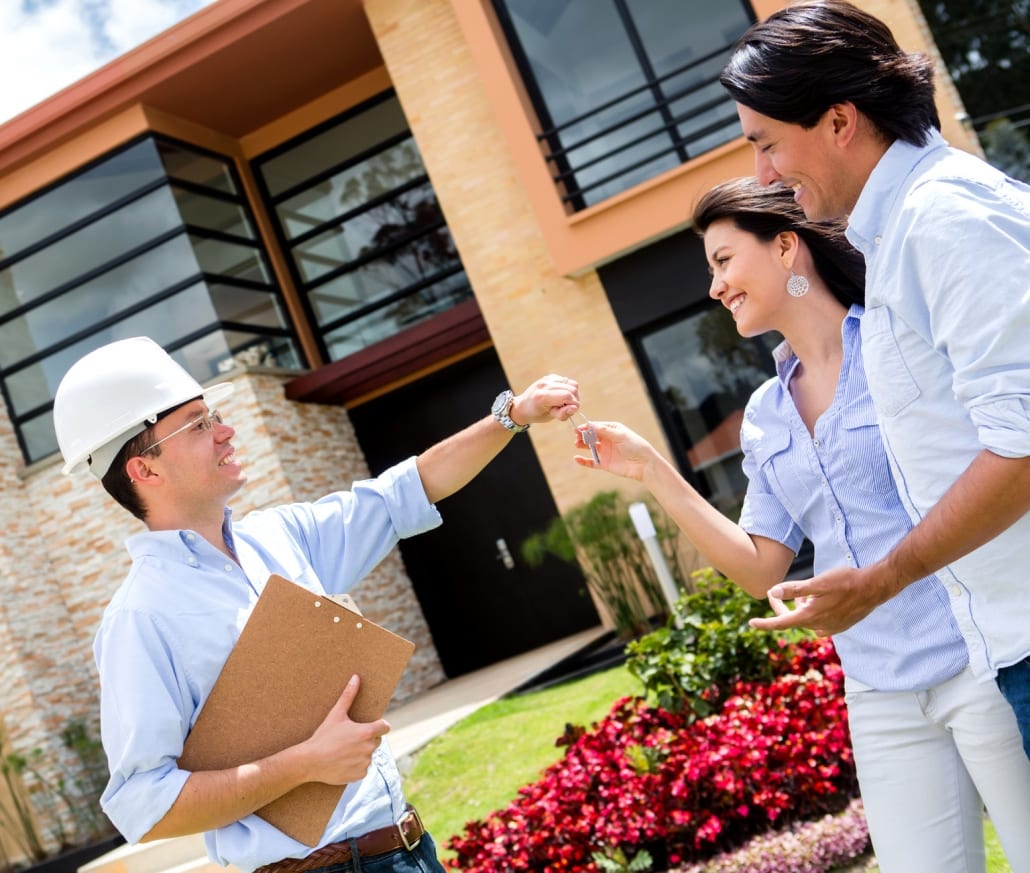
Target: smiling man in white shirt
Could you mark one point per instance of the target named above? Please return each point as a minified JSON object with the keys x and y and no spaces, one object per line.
{"x":837,"y":111}
{"x":134,"y":418}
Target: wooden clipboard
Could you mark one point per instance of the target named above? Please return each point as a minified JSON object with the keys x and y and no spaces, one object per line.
{"x":286,"y":671}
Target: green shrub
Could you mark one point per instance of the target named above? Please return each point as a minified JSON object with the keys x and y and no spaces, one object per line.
{"x":706,"y":646}
{"x":600,"y":534}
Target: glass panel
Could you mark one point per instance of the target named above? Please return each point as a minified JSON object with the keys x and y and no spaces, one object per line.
{"x":706,"y":372}
{"x":371,"y":282}
{"x":390,"y":320}
{"x":582,"y":58}
{"x":201,"y":211}
{"x":351,"y":188}
{"x":165,"y":322}
{"x":380,"y":228}
{"x":39,"y":436}
{"x":335,"y":146}
{"x":108,"y":294}
{"x":228,"y":259}
{"x":78,"y":197}
{"x":94,"y":245}
{"x":250,"y":349}
{"x":259,"y":308}
{"x":191,"y":166}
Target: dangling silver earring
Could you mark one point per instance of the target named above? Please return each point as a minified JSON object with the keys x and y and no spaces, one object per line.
{"x":797,"y":286}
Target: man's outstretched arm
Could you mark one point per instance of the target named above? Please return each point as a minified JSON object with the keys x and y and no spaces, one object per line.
{"x":455,"y":461}
{"x":990,"y":496}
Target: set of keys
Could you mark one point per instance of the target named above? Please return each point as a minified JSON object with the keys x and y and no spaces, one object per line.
{"x":589,"y":435}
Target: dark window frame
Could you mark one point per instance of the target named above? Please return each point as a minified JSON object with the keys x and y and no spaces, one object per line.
{"x":167,"y":179}
{"x":555,"y":153}
{"x":288,"y":244}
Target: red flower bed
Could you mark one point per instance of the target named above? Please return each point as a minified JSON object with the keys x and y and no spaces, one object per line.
{"x":645,"y":778}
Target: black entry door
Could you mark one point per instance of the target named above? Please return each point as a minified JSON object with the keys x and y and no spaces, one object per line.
{"x":479,"y":611}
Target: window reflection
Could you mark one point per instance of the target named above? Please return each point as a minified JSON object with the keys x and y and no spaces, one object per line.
{"x":705,"y":373}
{"x":624,"y":90}
{"x":140,"y":243}
{"x":366,"y":237}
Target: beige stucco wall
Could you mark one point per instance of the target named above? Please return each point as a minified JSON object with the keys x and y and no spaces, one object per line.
{"x":540,"y":321}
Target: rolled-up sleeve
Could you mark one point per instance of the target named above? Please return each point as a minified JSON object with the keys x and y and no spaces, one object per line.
{"x":979,"y":319}
{"x":143,"y":722}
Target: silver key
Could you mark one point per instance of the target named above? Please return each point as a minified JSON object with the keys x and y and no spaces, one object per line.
{"x":589,"y":435}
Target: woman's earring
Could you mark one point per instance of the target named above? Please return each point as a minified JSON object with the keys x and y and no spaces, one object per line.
{"x":797,"y":286}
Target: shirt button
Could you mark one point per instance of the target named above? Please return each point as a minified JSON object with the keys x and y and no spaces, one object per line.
{"x":816,"y":443}
{"x":228,"y":568}
{"x":956,"y":591}
{"x":849,"y":557}
{"x":192,"y":562}
{"x":191,"y":537}
{"x":876,"y":239}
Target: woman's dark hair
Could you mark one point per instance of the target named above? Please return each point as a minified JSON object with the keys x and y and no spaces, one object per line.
{"x":804,"y":59}
{"x":768,"y":210}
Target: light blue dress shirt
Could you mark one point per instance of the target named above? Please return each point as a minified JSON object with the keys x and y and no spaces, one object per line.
{"x":946,"y":240}
{"x":835,"y":488}
{"x":171,"y":625}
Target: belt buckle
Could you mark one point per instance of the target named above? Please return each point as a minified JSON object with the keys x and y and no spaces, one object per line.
{"x":410,"y":814}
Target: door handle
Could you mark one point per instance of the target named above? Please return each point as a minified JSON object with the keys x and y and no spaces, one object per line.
{"x":504,"y":554}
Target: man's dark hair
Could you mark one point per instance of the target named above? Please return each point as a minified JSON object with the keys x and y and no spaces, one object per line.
{"x":804,"y":59}
{"x":116,"y":481}
{"x":765,"y":211}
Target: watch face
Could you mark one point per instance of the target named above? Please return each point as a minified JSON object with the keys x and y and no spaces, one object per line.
{"x":500,"y":406}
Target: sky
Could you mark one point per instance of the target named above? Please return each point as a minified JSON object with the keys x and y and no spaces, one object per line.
{"x":46,"y":45}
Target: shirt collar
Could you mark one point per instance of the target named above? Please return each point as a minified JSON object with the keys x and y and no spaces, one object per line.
{"x":884,"y":186}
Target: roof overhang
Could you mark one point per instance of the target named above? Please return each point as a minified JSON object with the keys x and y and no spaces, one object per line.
{"x":232,"y":68}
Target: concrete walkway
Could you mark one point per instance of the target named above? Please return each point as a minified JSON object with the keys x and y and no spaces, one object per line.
{"x":430,"y":713}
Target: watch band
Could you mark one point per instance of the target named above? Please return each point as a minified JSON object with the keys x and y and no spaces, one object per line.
{"x":501,"y":410}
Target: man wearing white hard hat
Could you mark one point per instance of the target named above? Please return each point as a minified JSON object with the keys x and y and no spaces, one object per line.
{"x":139,"y":422}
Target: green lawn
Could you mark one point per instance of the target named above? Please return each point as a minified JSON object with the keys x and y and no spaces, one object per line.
{"x":478,"y":765}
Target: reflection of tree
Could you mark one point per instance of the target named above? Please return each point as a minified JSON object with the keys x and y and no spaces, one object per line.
{"x":740,"y":364}
{"x":986,"y":47}
{"x":411,"y":233}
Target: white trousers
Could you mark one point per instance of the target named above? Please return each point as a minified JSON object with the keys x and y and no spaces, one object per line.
{"x":928,"y":762}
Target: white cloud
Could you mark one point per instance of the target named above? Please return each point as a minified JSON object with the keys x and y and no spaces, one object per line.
{"x":46,"y":45}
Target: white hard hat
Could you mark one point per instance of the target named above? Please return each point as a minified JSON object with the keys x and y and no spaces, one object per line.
{"x":113,"y":393}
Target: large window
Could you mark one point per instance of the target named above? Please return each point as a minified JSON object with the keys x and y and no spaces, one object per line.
{"x":703,"y":373}
{"x":624,"y":89}
{"x":153,"y":240}
{"x":366,"y":240}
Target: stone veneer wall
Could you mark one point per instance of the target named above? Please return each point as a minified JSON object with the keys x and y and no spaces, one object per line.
{"x":62,"y":557}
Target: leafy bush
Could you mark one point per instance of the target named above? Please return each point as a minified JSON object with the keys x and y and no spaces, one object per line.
{"x":601,"y":536}
{"x":650,"y":780}
{"x":704,"y":648}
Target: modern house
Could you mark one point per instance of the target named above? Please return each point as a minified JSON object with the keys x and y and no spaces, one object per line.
{"x":372,"y":216}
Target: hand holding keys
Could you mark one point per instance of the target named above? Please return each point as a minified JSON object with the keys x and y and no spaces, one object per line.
{"x":589,"y":435}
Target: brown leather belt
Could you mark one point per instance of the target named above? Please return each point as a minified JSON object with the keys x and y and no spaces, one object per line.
{"x":403,"y":835}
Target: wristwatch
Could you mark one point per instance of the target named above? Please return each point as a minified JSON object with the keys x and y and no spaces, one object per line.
{"x":501,"y":408}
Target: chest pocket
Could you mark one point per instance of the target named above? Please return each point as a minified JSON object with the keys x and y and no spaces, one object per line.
{"x":862,"y":460}
{"x":890,"y":381}
{"x":769,"y":450}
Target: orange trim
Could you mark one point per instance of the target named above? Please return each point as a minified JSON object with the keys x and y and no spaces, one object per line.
{"x":580,"y":242}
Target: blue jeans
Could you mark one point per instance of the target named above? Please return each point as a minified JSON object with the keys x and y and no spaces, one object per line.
{"x":421,"y":860}
{"x":1014,"y":683}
